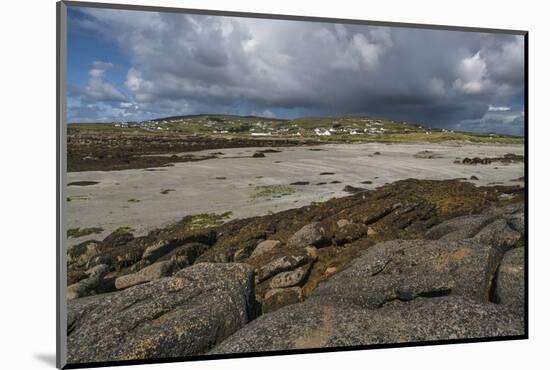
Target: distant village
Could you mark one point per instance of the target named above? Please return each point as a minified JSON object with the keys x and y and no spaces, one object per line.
{"x":267,"y":127}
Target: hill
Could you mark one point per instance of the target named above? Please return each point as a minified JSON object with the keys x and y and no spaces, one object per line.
{"x":324,"y":129}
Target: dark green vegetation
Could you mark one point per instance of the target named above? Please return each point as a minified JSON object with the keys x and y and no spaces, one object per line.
{"x":201,"y":221}
{"x":78,"y":232}
{"x":123,"y":229}
{"x":272,"y":191}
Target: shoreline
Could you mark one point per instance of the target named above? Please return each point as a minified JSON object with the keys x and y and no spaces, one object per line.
{"x":226,"y":184}
{"x":112,"y":151}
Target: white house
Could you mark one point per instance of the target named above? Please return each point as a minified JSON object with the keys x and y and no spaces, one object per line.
{"x":322,"y":132}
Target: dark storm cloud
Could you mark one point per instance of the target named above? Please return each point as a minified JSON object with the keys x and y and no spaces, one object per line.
{"x":189,"y":64}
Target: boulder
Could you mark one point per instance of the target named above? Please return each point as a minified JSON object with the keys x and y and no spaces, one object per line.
{"x":80,"y":255}
{"x":139,"y":265}
{"x":86,"y":287}
{"x":183,"y":315}
{"x":510,"y":281}
{"x":180,"y":237}
{"x":185,"y":255}
{"x":311,"y":234}
{"x":149,"y":273}
{"x":321,"y":323}
{"x":240,"y":255}
{"x":278,"y":265}
{"x":264,"y":247}
{"x":507,"y":210}
{"x":243,"y":235}
{"x":348,"y":233}
{"x":460,"y":227}
{"x":498,"y":234}
{"x":75,"y":276}
{"x":394,"y":292}
{"x":407,"y":269}
{"x":280,"y":297}
{"x":290,"y":278}
{"x":159,"y":248}
{"x":117,"y":238}
{"x":517,"y":222}
{"x":119,"y":255}
{"x":502,"y":226}
{"x":245,"y":251}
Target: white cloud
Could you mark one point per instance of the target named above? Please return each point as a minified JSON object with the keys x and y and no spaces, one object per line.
{"x":498,"y":109}
{"x":370,"y":52}
{"x":473,"y":68}
{"x":101,"y":90}
{"x":496,"y":68}
{"x":98,"y":88}
{"x":472,"y":75}
{"x":98,"y":69}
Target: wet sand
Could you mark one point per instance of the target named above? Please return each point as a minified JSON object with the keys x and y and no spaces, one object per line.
{"x":146,"y":199}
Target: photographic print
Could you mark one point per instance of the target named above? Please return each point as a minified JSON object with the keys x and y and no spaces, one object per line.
{"x":240,"y":184}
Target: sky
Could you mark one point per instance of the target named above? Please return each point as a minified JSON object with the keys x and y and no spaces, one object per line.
{"x":127,"y":65}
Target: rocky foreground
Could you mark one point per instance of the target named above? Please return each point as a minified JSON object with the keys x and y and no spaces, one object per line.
{"x":410,"y":261}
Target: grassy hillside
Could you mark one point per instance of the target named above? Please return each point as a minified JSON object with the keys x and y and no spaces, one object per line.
{"x":329,"y":129}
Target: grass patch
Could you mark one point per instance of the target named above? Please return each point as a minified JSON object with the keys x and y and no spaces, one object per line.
{"x":200,"y":221}
{"x":207,"y":220}
{"x":78,"y":232}
{"x":272,"y":191}
{"x":124,"y":229}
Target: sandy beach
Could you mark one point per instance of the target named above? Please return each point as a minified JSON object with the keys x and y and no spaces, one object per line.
{"x":144,"y":199}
